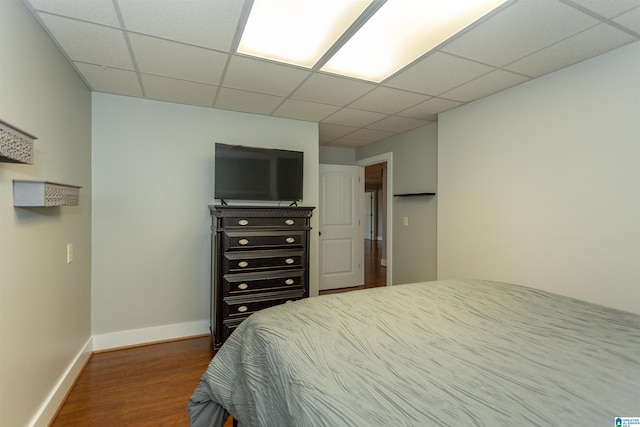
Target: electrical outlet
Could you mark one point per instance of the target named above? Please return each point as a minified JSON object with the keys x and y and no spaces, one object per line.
{"x":69,"y":253}
{"x":405,"y":220}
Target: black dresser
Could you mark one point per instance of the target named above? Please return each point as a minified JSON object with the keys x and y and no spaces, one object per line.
{"x":259,"y":258}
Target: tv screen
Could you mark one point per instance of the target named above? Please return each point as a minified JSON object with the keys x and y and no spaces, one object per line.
{"x":250,"y":173}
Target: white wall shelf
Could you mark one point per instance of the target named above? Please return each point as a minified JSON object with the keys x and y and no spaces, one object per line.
{"x":44,"y":193}
{"x":16,"y":146}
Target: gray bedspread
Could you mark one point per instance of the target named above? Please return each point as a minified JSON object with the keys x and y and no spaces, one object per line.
{"x":444,"y":353}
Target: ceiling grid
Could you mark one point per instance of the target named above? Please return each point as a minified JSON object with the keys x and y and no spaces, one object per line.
{"x":170,"y":52}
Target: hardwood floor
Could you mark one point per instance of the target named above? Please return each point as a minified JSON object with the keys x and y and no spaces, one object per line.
{"x":141,"y":386}
{"x":375,"y":275}
{"x":150,"y":385}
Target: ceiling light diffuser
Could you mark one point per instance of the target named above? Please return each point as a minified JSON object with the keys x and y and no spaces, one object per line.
{"x":297,"y":32}
{"x":400,"y":32}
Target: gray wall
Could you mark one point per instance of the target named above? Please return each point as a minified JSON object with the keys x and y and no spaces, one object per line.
{"x":539,"y":185}
{"x":153,"y":179}
{"x":414,"y":170}
{"x":45,"y":318}
{"x":337,"y":156}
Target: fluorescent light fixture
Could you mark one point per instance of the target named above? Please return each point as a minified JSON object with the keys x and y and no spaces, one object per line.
{"x":297,"y":31}
{"x":400,"y":32}
{"x":300,"y":32}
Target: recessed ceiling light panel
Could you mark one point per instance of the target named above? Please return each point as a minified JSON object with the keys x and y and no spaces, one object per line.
{"x":297,"y":32}
{"x":400,"y":32}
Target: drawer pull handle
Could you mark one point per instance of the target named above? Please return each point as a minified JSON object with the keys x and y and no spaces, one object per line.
{"x":289,"y":240}
{"x":243,"y":222}
{"x":289,"y":261}
{"x":243,"y":242}
{"x":243,"y":264}
{"x":243,"y":286}
{"x":289,"y":282}
{"x":289,"y":222}
{"x":242,"y":308}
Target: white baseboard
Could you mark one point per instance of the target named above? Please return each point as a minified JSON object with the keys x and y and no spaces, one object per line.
{"x":149,"y":335}
{"x":49,"y":408}
{"x":52,"y":403}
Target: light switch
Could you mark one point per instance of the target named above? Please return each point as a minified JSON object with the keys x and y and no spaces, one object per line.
{"x":69,"y":253}
{"x":405,"y":220}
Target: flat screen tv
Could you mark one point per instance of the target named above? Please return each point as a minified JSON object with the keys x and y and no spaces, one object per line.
{"x":250,"y":173}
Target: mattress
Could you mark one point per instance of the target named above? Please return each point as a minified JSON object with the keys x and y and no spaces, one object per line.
{"x":451,"y":352}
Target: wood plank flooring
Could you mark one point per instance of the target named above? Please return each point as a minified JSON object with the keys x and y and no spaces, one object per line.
{"x":374,"y":273}
{"x":150,"y":385}
{"x":141,"y":386}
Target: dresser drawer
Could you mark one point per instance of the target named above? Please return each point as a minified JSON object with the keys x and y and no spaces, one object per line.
{"x":238,"y":262}
{"x":240,"y":308}
{"x":243,"y":284}
{"x":267,"y":222}
{"x":240,"y":240}
{"x":230,"y":325}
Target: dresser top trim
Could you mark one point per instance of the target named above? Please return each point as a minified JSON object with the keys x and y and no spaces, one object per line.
{"x":260,"y":211}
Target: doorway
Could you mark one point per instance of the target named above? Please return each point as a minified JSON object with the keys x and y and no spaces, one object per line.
{"x":378,"y":251}
{"x":374,"y":262}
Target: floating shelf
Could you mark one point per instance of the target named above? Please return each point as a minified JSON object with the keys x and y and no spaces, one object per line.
{"x":414,"y":194}
{"x":16,"y":146}
{"x":44,"y":193}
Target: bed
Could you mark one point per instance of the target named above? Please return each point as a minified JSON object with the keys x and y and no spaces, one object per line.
{"x":451,"y":352}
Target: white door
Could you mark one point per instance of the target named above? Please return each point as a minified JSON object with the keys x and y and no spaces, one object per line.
{"x":341,"y":251}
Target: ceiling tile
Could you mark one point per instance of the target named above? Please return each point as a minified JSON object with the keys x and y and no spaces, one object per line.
{"x":90,"y":43}
{"x":324,"y":141}
{"x":631,"y":20}
{"x":181,"y":51}
{"x":349,"y":142}
{"x":492,"y":82}
{"x":97,"y":11}
{"x":370,"y":135}
{"x":584,"y":45}
{"x":205,"y":23}
{"x":608,"y":8}
{"x":264,"y":77}
{"x":328,"y":89}
{"x":304,"y":110}
{"x":179,"y":91}
{"x":438,"y":73}
{"x":353,"y":117}
{"x":187,"y":62}
{"x":521,"y":29}
{"x":397,"y":124}
{"x":429,"y":109}
{"x":249,"y":102}
{"x":388,"y":100}
{"x":110,"y":80}
{"x":330,"y":131}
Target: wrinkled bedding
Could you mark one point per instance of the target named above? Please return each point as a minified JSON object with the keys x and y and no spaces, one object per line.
{"x":474,"y":353}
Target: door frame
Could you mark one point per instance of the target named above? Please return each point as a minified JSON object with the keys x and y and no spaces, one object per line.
{"x":388,"y":159}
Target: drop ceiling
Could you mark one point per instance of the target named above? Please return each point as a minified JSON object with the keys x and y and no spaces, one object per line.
{"x":183,"y":51}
